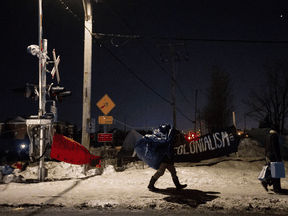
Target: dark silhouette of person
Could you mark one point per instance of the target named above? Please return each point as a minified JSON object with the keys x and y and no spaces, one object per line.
{"x":272,"y":152}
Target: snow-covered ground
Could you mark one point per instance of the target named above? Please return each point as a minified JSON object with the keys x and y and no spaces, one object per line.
{"x":227,"y":184}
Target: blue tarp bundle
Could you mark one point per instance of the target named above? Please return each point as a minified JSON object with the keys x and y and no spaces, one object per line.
{"x":153,"y":147}
{"x":7,"y":169}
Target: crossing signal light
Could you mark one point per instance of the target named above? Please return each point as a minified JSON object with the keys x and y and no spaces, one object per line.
{"x":191,"y":136}
{"x":27,"y":92}
{"x":58,"y":93}
{"x":63,"y":94}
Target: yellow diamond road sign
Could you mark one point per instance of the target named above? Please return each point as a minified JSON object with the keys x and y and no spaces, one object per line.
{"x":105,"y":104}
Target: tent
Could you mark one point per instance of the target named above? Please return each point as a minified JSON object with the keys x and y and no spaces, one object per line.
{"x":127,"y":150}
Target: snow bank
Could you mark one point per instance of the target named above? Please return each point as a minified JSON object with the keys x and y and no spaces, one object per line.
{"x":250,"y":148}
{"x":109,"y":170}
{"x":57,"y":170}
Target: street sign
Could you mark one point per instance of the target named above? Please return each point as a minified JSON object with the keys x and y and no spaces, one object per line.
{"x":105,"y":120}
{"x":105,"y":104}
{"x":105,"y":137}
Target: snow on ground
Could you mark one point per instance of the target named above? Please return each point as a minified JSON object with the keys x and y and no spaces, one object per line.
{"x":57,"y":170}
{"x":227,"y":184}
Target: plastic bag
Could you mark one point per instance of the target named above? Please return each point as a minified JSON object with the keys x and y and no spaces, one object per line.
{"x":265,"y":172}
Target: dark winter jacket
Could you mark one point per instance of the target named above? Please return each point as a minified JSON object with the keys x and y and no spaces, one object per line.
{"x":272,"y":149}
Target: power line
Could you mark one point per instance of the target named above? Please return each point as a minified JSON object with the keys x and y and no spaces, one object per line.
{"x":175,"y":38}
{"x":214,"y":40}
{"x":95,"y":36}
{"x":69,"y":10}
{"x":137,"y":37}
{"x":133,"y":72}
{"x":143,"y":81}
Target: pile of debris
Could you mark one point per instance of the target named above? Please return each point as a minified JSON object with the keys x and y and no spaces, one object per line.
{"x":250,"y":148}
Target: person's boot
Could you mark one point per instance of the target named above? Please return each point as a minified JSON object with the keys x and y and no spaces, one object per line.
{"x":151,"y":186}
{"x":264,"y":184}
{"x":177,"y":183}
{"x":277,"y":185}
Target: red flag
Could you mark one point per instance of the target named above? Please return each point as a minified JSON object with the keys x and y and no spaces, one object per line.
{"x":70,"y":151}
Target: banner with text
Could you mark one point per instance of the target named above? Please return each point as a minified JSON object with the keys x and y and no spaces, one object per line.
{"x":208,"y":146}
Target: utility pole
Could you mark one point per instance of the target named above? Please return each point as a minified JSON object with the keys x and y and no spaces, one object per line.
{"x":174,"y":57}
{"x":195,"y":112}
{"x":234,"y":119}
{"x":86,"y":117}
{"x":200,"y":125}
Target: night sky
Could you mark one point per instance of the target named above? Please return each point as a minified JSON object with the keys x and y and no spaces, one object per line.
{"x":237,"y":35}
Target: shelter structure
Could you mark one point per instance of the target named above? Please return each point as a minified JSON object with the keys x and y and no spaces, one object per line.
{"x":127,"y":150}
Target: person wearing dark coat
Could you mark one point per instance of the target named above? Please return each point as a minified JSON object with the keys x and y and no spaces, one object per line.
{"x":272,"y":152}
{"x":167,"y":163}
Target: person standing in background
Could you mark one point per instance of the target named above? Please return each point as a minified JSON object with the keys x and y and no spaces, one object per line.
{"x":272,"y":152}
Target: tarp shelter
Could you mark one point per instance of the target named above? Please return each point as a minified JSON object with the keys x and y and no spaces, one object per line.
{"x":127,"y":150}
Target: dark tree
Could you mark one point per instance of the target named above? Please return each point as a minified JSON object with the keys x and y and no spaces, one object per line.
{"x":265,"y":123}
{"x":218,"y":110}
{"x":270,"y":100}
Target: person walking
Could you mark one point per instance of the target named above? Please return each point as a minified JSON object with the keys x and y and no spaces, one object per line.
{"x":167,"y":162}
{"x":272,"y":152}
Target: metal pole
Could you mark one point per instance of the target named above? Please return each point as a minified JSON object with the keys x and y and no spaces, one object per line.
{"x":41,"y":169}
{"x":40,"y":112}
{"x":105,"y":150}
{"x":41,"y":174}
{"x":200,"y":124}
{"x":45,"y":45}
{"x":87,"y":75}
{"x":234,"y":119}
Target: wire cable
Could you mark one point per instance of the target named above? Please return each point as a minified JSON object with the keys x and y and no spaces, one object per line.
{"x":133,"y":72}
{"x":138,"y":39}
{"x":119,"y":15}
{"x":95,"y":36}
